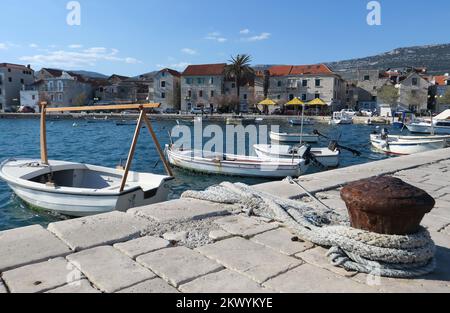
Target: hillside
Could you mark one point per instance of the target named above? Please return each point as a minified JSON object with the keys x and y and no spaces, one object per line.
{"x":435,"y":57}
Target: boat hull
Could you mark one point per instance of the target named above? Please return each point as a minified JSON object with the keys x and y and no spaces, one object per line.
{"x":77,"y":201}
{"x":324,"y":156}
{"x":263,"y":169}
{"x":293,"y":138}
{"x":428,"y":129}
{"x":407,"y":147}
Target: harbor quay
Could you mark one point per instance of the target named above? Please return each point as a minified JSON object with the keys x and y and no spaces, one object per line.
{"x":194,"y":246}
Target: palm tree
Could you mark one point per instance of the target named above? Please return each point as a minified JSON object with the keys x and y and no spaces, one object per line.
{"x":240,"y":72}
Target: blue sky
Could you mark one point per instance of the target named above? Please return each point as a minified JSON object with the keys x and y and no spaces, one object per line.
{"x":136,"y":36}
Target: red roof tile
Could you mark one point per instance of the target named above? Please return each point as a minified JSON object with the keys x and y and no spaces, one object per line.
{"x":441,"y":80}
{"x":205,"y":70}
{"x":284,"y":70}
{"x":171,"y":72}
{"x":16,"y":66}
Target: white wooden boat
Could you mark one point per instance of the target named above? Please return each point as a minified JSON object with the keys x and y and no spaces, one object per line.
{"x":430,"y":137}
{"x":341,"y":118}
{"x":76,"y":189}
{"x":439,"y":125}
{"x":235,"y":165}
{"x":294,"y":137}
{"x":305,"y":122}
{"x":324,"y":156}
{"x":393,"y":145}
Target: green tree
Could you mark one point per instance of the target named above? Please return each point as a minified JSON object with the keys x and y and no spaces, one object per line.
{"x":389,"y":95}
{"x":240,"y":72}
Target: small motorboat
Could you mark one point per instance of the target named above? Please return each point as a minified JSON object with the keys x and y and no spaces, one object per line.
{"x":305,"y":122}
{"x":438,"y":125}
{"x":97,"y":119}
{"x":77,"y":189}
{"x":377,"y":121}
{"x":324,"y":156}
{"x":401,"y":146}
{"x":341,"y":118}
{"x":235,"y":165}
{"x":294,"y":137}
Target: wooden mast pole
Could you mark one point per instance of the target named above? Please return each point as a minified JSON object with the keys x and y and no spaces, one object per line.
{"x":158,"y":147}
{"x":132,"y":150}
{"x":44,"y":155}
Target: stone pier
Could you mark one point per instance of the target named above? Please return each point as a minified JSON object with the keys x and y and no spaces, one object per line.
{"x":192,"y":246}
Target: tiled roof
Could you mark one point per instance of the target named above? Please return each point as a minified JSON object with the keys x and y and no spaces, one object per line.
{"x":205,"y":70}
{"x":17,"y":66}
{"x":53,"y":72}
{"x":172,"y":72}
{"x":284,"y":70}
{"x":441,"y":80}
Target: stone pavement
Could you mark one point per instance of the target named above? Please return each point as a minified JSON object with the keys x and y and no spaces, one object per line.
{"x":122,"y":252}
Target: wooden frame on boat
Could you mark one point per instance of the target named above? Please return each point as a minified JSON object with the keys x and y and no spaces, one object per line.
{"x":142,"y":119}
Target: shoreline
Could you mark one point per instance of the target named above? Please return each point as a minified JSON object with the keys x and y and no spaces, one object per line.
{"x":358,"y":120}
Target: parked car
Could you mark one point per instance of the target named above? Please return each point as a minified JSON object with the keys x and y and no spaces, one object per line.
{"x":367,"y":113}
{"x":170,"y":111}
{"x":197,"y":111}
{"x":349,"y":112}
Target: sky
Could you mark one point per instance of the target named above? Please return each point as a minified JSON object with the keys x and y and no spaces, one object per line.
{"x":137,"y":36}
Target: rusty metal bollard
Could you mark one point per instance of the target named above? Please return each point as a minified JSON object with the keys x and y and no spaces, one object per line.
{"x":386,"y":205}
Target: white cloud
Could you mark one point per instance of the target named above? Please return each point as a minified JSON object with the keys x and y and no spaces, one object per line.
{"x":177,"y":66}
{"x":76,"y":46}
{"x":3,"y":46}
{"x":216,"y":36}
{"x":262,"y":36}
{"x":8,"y":45}
{"x":34,"y":46}
{"x":189,"y":51}
{"x":75,"y":59}
{"x":245,"y":31}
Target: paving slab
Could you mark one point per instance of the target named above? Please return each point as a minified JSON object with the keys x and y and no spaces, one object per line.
{"x":3,"y":287}
{"x":311,"y":279}
{"x":109,"y":269}
{"x":98,"y":230}
{"x":178,"y":265}
{"x":156,"y":285}
{"x":137,"y":247}
{"x":317,"y":257}
{"x":282,"y":240}
{"x":81,"y":286}
{"x":182,"y":209}
{"x":435,"y":223}
{"x":250,"y":259}
{"x":41,"y":277}
{"x":441,"y":239}
{"x":225,"y":281}
{"x":240,"y":225}
{"x":218,"y":235}
{"x":23,"y":246}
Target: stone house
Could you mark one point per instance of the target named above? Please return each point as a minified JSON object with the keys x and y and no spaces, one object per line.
{"x":307,"y":82}
{"x":202,"y":85}
{"x":13,"y":78}
{"x":60,"y":88}
{"x":166,"y":89}
{"x":413,"y":92}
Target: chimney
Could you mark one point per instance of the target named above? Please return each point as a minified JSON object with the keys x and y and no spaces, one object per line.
{"x":29,"y":66}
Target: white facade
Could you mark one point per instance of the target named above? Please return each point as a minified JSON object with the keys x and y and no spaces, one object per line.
{"x":30,"y":98}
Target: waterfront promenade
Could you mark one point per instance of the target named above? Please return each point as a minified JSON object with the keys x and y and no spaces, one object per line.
{"x":194,"y":246}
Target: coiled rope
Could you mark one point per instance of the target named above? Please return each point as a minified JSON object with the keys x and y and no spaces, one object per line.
{"x":353,"y":249}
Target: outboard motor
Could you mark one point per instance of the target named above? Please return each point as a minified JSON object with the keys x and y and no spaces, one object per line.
{"x":384,"y":134}
{"x":333,"y":146}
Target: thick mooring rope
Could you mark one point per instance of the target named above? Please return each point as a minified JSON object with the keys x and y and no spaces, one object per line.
{"x":353,"y":249}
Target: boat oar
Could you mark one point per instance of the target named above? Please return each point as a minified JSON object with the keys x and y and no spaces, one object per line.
{"x":337,"y":145}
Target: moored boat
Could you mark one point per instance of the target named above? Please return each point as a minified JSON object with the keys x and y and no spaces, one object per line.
{"x":394,"y":145}
{"x":341,"y":118}
{"x":294,"y":137}
{"x":77,"y":189}
{"x":235,"y":165}
{"x":305,"y":122}
{"x":324,"y":156}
